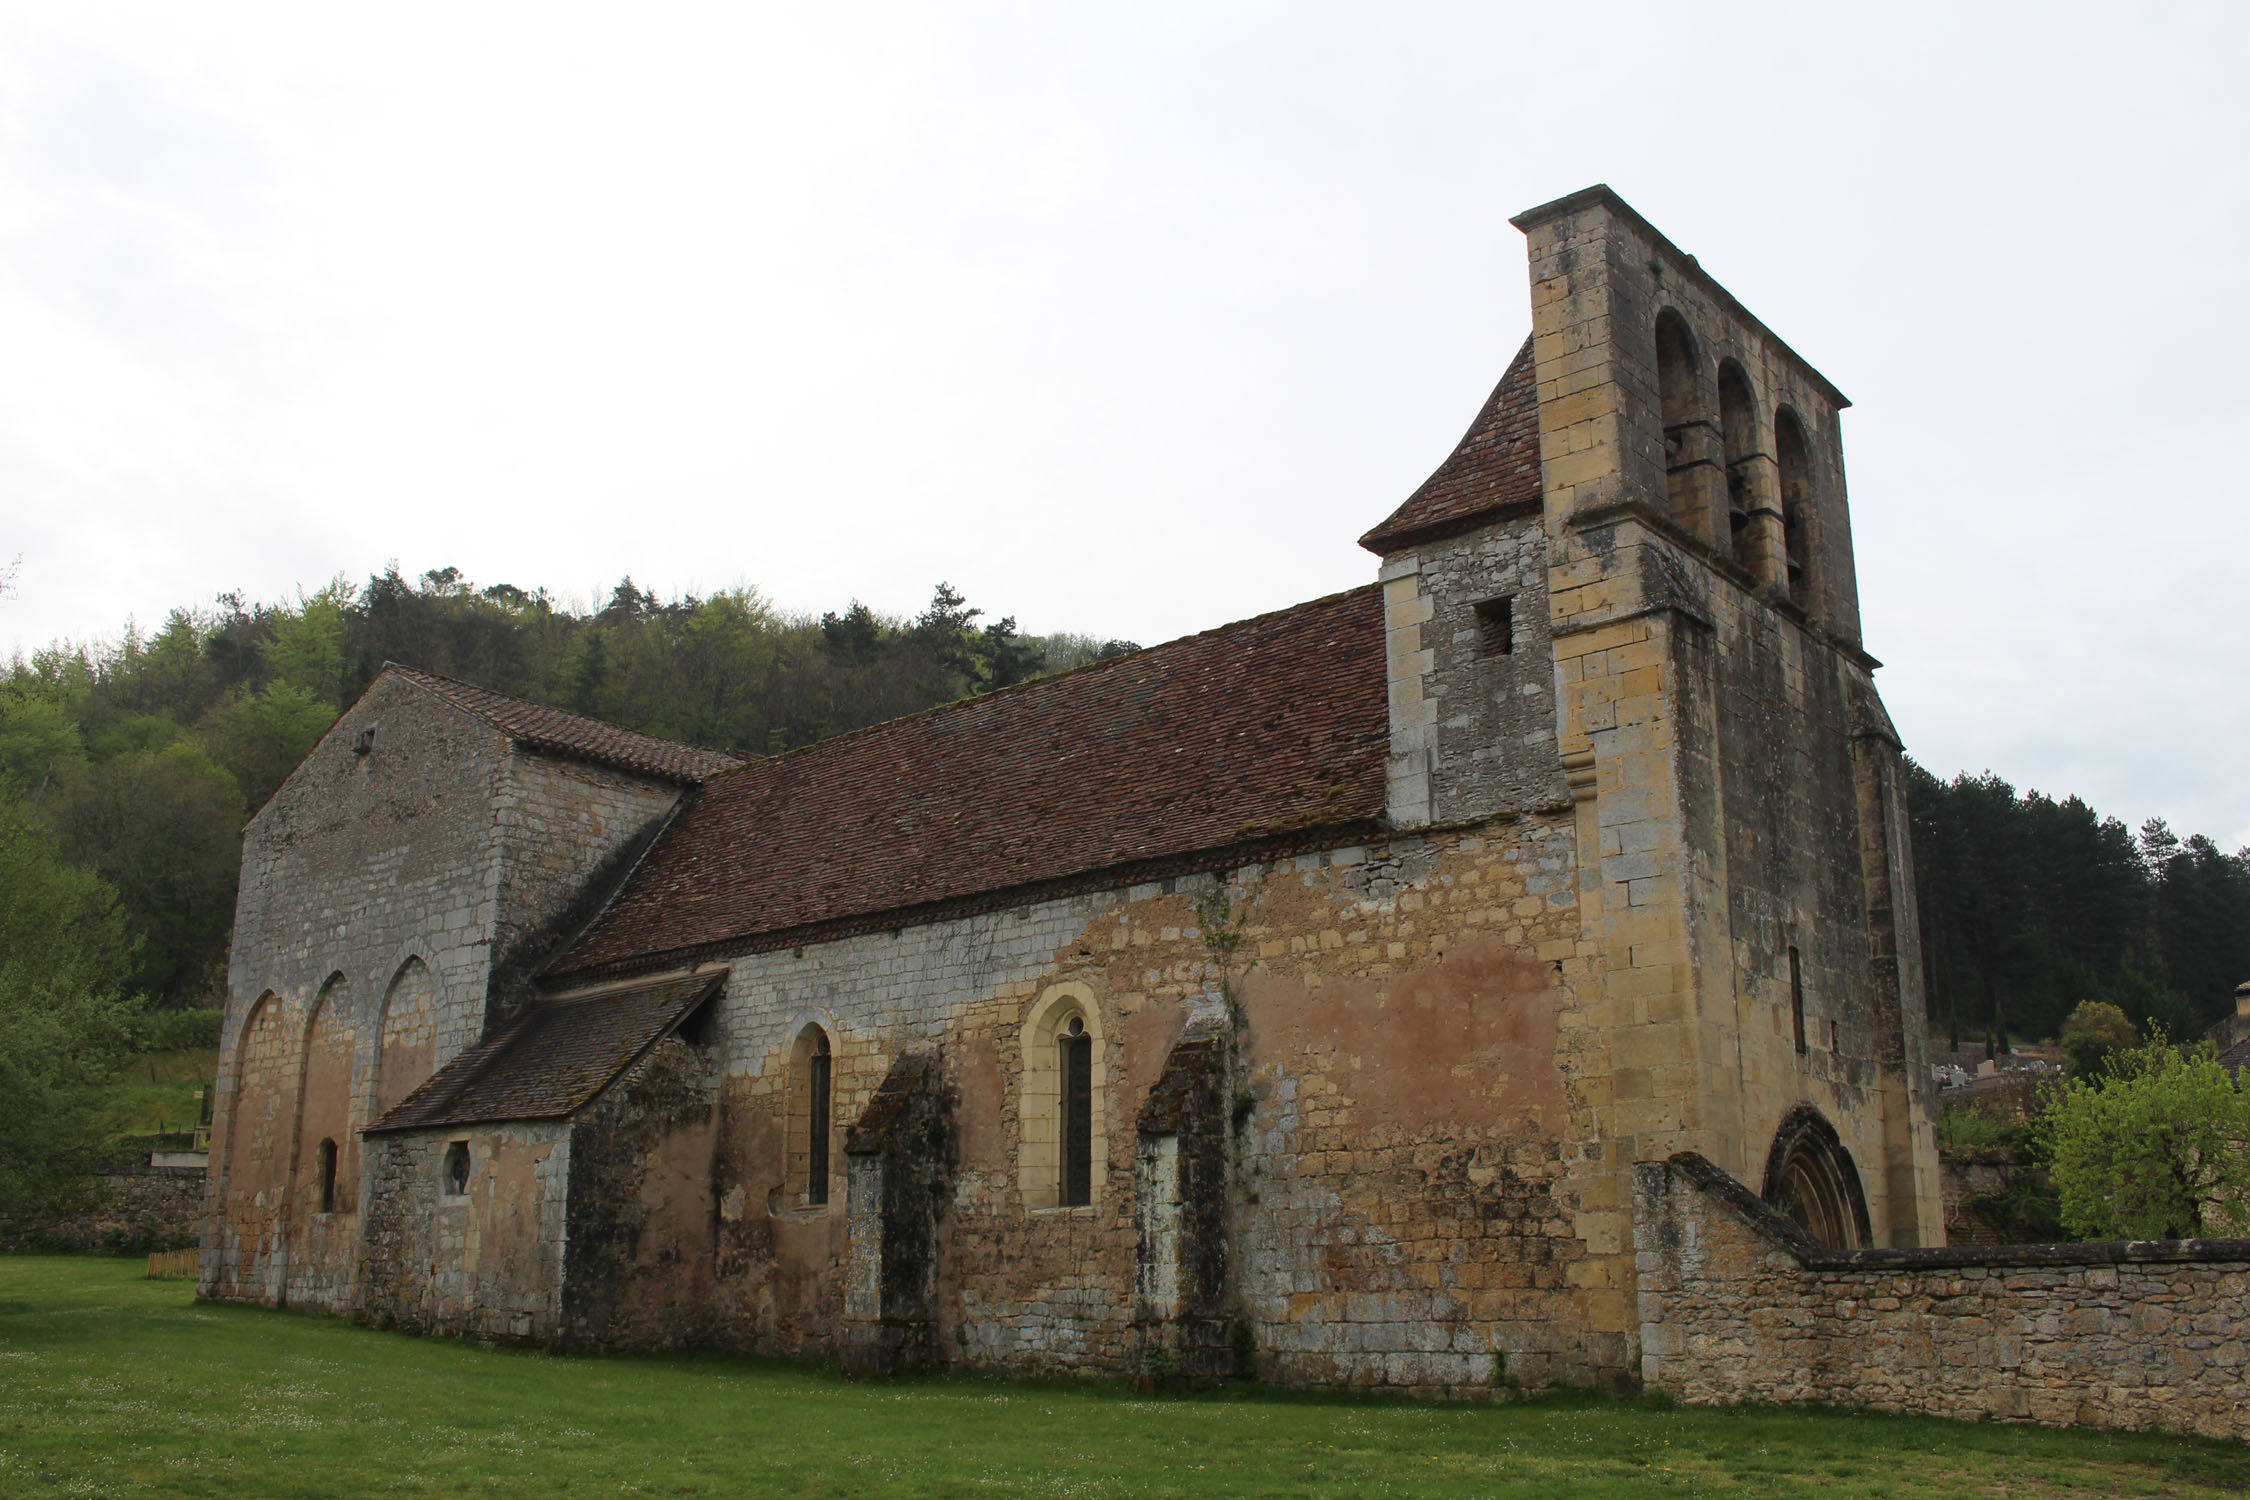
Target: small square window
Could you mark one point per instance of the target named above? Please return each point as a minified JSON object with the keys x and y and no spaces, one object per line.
{"x":1496,"y":625}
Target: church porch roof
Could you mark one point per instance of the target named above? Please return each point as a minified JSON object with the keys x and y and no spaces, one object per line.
{"x":552,"y":1060}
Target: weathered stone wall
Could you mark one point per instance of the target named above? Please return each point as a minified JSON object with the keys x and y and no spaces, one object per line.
{"x":488,"y":1261}
{"x":323,"y":1237}
{"x":387,"y":898}
{"x":134,"y":1210}
{"x":1472,"y":727}
{"x":1773,"y":759}
{"x":565,"y":831}
{"x":1970,"y":1173}
{"x":1408,"y":1210}
{"x":360,"y":866}
{"x":1740,"y":781}
{"x":900,"y":1160}
{"x":640,"y":1266}
{"x":1184,"y":1194}
{"x":1736,"y":1305}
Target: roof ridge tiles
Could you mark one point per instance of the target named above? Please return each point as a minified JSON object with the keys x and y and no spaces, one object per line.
{"x":1034,"y":684}
{"x":1493,"y":468}
{"x":1278,"y":722}
{"x":576,"y":734}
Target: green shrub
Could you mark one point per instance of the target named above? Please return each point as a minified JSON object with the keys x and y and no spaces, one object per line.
{"x":2156,"y":1148}
{"x":1963,"y":1125}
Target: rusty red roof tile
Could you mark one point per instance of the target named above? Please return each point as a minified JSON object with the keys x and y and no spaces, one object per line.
{"x":557,"y":732}
{"x":551,"y":1061}
{"x":1270,"y":728}
{"x":1495,"y":465}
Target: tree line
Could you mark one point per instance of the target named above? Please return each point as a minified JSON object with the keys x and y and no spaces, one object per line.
{"x":137,"y":761}
{"x":134,"y":763}
{"x":2031,"y":905}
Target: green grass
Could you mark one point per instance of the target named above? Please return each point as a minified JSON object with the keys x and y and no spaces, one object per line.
{"x":155,"y":1092}
{"x":112,"y":1385}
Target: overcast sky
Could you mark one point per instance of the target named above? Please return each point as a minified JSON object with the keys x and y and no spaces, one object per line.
{"x":1124,"y":319}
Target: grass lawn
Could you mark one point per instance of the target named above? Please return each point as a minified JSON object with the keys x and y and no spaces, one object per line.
{"x":156,"y":1091}
{"x":113,"y":1385}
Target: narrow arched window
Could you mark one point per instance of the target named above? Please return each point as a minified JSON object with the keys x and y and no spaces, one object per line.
{"x":1738,"y":430}
{"x":808,"y":1130}
{"x":1691,"y":477}
{"x":1062,"y":1148}
{"x":816,"y":1123}
{"x":1077,"y":1068}
{"x":1793,"y":453}
{"x":327,"y":1177}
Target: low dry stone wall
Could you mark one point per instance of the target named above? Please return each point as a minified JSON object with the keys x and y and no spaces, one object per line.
{"x":135,"y":1210}
{"x":1738,"y":1304}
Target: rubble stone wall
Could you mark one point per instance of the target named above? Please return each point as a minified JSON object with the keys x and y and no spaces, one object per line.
{"x":640,"y":1261}
{"x":1405,"y":1212}
{"x":1736,"y":1305}
{"x":488,"y":1261}
{"x":135,"y":1210}
{"x":389,"y":900}
{"x":359,"y":866}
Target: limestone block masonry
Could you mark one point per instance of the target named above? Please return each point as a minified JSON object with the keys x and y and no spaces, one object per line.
{"x":1736,"y":1305}
{"x":487,"y":1260}
{"x":396,"y":893}
{"x":1407,"y":1205}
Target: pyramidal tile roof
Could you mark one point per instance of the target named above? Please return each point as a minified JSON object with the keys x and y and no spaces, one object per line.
{"x":1495,"y":466}
{"x":1267,"y":733}
{"x":574,"y":735}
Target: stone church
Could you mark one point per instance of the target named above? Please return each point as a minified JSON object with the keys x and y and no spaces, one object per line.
{"x":1295,"y":998}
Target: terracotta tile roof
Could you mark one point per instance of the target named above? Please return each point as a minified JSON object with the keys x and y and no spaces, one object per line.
{"x":574,"y":735}
{"x":1263,"y":730}
{"x":550,"y":1061}
{"x":1496,"y":465}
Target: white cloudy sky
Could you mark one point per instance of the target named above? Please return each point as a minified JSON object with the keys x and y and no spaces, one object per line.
{"x":1124,"y":318}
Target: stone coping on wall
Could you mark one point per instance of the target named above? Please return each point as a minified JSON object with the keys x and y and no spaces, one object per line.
{"x":1813,"y":1256}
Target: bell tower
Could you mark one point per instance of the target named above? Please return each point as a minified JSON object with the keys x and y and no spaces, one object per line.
{"x":1744,"y":867}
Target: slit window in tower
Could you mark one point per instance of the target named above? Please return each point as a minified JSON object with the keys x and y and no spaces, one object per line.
{"x":1797,"y":998}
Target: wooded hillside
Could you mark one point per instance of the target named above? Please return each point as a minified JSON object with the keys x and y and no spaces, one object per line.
{"x":141,"y":758}
{"x":132,"y":766}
